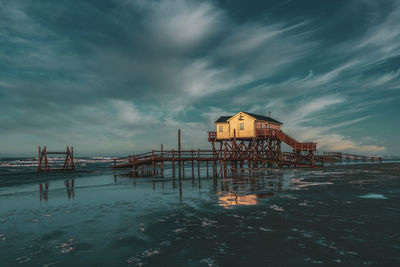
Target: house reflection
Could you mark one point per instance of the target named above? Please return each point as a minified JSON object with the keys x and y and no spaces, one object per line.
{"x":238,"y":189}
{"x":233,"y":199}
{"x":229,"y":199}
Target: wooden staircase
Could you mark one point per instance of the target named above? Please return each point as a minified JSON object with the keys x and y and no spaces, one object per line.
{"x":287,"y":139}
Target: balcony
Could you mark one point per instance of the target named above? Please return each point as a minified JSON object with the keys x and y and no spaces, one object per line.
{"x":212,"y":136}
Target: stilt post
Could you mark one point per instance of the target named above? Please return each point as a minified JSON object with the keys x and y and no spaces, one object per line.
{"x":179,"y":152}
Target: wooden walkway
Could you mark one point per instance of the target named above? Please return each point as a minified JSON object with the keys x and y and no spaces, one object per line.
{"x":152,"y":163}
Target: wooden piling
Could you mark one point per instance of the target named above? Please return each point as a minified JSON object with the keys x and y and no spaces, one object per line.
{"x":46,"y":163}
{"x":183,"y":168}
{"x":162,"y":161}
{"x":213,"y":167}
{"x":72,"y":158}
{"x":173,"y":163}
{"x":221,"y":167}
{"x":233,"y":162}
{"x":153,"y":163}
{"x":225,"y":162}
{"x":179,"y":152}
{"x":40,"y":161}
{"x":198,"y":163}
{"x":192,"y":163}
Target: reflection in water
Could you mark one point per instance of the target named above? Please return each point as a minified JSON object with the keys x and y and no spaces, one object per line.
{"x":244,"y":188}
{"x":43,"y":190}
{"x":232,"y":199}
{"x":180,"y":190}
{"x":286,"y":217}
{"x":70,"y":184}
{"x":237,"y":189}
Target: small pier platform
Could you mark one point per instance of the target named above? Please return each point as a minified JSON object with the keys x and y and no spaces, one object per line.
{"x":67,"y":164}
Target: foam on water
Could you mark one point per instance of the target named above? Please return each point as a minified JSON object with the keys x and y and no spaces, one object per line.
{"x":374,"y":196}
{"x":33,"y":162}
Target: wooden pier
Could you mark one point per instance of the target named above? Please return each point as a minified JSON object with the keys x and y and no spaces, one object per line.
{"x":234,"y":155}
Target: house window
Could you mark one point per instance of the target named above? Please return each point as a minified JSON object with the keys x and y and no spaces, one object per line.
{"x":241,"y":126}
{"x":260,"y":125}
{"x":221,"y":128}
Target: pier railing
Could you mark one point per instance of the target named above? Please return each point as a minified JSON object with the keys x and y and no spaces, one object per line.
{"x":276,"y":158}
{"x":339,"y":156}
{"x":172,"y":156}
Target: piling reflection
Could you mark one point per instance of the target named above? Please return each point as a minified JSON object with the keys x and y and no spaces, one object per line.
{"x":69,"y":185}
{"x":45,"y":186}
{"x":43,"y":191}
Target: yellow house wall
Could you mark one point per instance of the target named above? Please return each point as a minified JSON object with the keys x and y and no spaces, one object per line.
{"x":225,"y":133}
{"x":248,"y":121}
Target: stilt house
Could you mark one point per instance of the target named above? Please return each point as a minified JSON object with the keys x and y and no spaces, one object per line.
{"x":244,"y":125}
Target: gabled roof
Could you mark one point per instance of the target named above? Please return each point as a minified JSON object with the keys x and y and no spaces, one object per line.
{"x":255,"y":116}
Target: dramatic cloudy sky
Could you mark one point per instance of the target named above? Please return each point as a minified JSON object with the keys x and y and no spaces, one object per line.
{"x":118,"y":76}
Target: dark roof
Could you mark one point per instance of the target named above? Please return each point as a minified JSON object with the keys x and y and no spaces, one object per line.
{"x":223,"y":119}
{"x":262,"y":118}
{"x":257,"y":117}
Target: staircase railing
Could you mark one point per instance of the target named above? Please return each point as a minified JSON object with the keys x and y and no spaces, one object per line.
{"x":296,"y":145}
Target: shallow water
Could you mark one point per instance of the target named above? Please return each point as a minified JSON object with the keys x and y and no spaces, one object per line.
{"x":344,"y":215}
